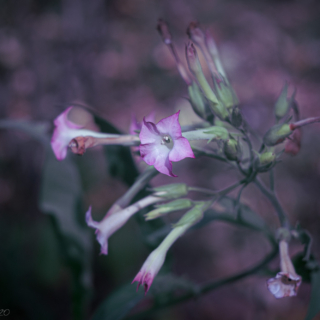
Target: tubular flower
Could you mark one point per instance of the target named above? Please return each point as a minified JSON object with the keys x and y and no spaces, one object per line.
{"x":65,"y":131}
{"x":114,"y":220}
{"x":163,"y":143}
{"x":287,"y":282}
{"x":156,"y":259}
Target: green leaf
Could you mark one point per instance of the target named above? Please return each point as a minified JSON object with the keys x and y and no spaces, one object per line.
{"x":314,"y":305}
{"x":119,"y":303}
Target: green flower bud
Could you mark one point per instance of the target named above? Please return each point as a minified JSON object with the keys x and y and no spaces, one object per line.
{"x":198,"y":102}
{"x":171,"y":191}
{"x":163,"y":209}
{"x":225,"y":93}
{"x":265,"y":161}
{"x":193,"y":215}
{"x":282,"y":105}
{"x":277,"y":134}
{"x":195,"y":67}
{"x":236,"y":117}
{"x":232,"y":149}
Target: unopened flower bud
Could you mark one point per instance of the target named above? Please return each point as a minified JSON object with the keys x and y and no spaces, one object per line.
{"x":198,"y":37}
{"x":212,"y":47}
{"x":196,"y":69}
{"x":198,"y":102}
{"x":277,"y":134}
{"x":164,"y":31}
{"x":232,"y":149}
{"x":171,"y":191}
{"x":282,"y":105}
{"x":236,"y":117}
{"x":225,"y":92}
{"x":265,"y":161}
{"x":174,"y":205}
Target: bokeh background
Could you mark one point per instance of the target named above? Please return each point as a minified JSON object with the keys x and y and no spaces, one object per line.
{"x":108,"y":56}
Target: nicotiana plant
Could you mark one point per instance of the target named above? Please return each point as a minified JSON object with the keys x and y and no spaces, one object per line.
{"x":161,"y":143}
{"x":230,"y":139}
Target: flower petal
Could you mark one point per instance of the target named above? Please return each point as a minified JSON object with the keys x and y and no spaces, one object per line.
{"x":170,"y":125}
{"x":284,"y":285}
{"x":181,"y":149}
{"x":149,"y":133}
{"x":157,"y":155}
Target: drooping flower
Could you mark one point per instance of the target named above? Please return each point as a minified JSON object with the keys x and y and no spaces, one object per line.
{"x":163,"y":143}
{"x":287,"y":282}
{"x":65,"y":130}
{"x":156,"y":258}
{"x":115,"y":219}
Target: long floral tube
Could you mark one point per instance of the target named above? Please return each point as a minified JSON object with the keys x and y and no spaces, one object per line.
{"x":114,"y":221}
{"x":80,"y":144}
{"x":156,"y":258}
{"x":66,"y":130}
{"x":286,"y":283}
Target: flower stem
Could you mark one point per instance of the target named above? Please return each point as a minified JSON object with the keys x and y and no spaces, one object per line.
{"x":275,"y":202}
{"x":304,"y":122}
{"x":222,"y":192}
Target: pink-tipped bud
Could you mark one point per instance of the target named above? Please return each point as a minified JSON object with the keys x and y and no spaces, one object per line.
{"x":163,"y":29}
{"x":195,"y":33}
{"x":192,"y":58}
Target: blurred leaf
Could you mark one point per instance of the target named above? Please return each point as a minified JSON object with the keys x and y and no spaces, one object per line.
{"x":37,"y":130}
{"x":314,"y":305}
{"x":120,"y":161}
{"x":119,"y":303}
{"x":164,"y":286}
{"x":60,"y":196}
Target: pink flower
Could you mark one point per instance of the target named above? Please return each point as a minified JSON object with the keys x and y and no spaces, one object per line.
{"x":136,"y":126}
{"x":162,"y":143}
{"x":287,"y":282}
{"x":65,"y":131}
{"x":115,"y":219}
{"x":156,"y":258}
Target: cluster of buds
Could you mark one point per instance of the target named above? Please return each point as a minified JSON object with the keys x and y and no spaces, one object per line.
{"x":207,"y":102}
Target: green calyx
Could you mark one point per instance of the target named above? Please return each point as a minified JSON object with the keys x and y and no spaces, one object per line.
{"x":163,"y":209}
{"x":225,"y":93}
{"x":171,"y":191}
{"x":232,"y":149}
{"x":277,"y":134}
{"x":198,"y":102}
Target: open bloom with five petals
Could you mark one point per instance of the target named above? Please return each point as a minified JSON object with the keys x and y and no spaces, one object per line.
{"x":163,"y":143}
{"x":286,"y":283}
